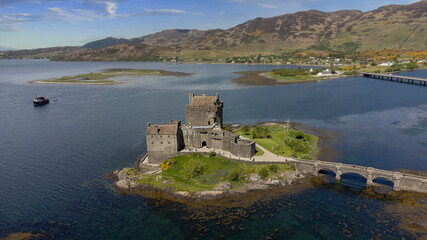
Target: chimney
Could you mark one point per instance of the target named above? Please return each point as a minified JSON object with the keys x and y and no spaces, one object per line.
{"x":204,"y":95}
{"x":217,"y":95}
{"x":190,"y":97}
{"x":148,"y":124}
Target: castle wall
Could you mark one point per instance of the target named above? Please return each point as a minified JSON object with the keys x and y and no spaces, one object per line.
{"x":159,"y":147}
{"x":205,"y":115}
{"x":219,"y":139}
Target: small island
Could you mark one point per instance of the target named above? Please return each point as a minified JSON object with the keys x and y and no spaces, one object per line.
{"x":203,"y":160}
{"x":105,"y":77}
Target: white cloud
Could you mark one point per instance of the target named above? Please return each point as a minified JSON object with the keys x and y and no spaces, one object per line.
{"x":268,"y":6}
{"x":165,"y":11}
{"x":111,"y":8}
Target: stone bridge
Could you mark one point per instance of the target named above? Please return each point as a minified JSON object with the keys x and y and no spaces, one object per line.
{"x":401,"y":181}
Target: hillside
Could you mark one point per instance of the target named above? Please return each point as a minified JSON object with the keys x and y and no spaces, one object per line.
{"x":388,"y":27}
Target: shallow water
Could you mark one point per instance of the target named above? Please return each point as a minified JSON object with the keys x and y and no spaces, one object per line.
{"x":53,"y":158}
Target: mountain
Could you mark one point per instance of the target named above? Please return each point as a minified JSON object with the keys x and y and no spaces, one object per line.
{"x":109,"y":41}
{"x":6,"y":49}
{"x":388,"y":27}
{"x":40,"y":52}
{"x":119,"y":52}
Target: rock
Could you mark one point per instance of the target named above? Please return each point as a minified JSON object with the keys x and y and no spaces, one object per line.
{"x":208,"y":195}
{"x":275,"y":182}
{"x":122,"y":175}
{"x":123,"y":184}
{"x":182,"y":194}
{"x":290,"y":175}
{"x":253,"y":178}
{"x":223,"y":186}
{"x":133,"y":184}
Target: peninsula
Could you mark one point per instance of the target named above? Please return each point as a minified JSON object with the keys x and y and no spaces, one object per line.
{"x":107,"y":77}
{"x":285,"y":76}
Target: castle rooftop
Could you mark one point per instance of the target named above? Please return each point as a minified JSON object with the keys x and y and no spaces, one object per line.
{"x":170,"y":129}
{"x":202,"y":100}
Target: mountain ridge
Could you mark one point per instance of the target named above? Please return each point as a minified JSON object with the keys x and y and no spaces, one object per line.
{"x":388,"y":27}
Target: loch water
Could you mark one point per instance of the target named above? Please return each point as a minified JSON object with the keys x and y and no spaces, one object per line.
{"x":53,"y":158}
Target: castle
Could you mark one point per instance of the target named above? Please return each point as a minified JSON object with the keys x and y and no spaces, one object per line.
{"x":203,"y":129}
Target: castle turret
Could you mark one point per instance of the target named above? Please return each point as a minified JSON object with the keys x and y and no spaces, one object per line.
{"x":204,"y":111}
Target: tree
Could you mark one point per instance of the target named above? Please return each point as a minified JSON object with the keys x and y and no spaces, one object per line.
{"x":246,"y":129}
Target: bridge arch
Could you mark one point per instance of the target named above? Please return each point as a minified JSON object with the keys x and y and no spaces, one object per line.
{"x":384,"y":181}
{"x":353,"y":180}
{"x":327,"y":171}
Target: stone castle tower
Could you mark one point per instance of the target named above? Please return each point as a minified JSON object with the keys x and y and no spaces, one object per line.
{"x":203,"y":111}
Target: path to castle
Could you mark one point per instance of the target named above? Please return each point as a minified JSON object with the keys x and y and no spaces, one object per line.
{"x":266,"y":157}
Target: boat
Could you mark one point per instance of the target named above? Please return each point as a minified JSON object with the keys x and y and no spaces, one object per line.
{"x":41,"y":100}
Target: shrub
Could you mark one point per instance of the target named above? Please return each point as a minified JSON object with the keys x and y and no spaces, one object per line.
{"x":261,"y":132}
{"x":166,"y":165}
{"x":306,"y":156}
{"x":194,"y":169}
{"x":273,"y":168}
{"x":263,"y":172}
{"x":411,"y":65}
{"x":131,"y":172}
{"x":299,"y":135}
{"x":212,"y":154}
{"x":246,"y":129}
{"x":234,"y":175}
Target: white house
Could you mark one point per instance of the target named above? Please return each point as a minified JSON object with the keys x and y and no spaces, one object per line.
{"x":385,"y":64}
{"x":325,"y":73}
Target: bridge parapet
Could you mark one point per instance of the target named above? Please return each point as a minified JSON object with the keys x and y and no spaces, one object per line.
{"x":401,"y":181}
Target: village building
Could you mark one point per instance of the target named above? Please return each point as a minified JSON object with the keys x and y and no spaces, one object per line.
{"x":203,"y":129}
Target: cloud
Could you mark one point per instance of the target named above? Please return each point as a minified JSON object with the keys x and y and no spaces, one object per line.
{"x":165,"y":11}
{"x":79,"y":10}
{"x":111,"y":8}
{"x":267,"y":6}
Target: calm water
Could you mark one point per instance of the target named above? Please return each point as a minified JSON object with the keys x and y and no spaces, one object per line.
{"x":53,"y":158}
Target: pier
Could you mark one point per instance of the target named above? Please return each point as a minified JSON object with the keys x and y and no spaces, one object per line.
{"x":397,"y":78}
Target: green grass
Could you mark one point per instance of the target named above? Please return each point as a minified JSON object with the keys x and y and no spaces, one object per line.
{"x":275,"y":143}
{"x":297,"y":78}
{"x":258,"y":151}
{"x":216,"y":169}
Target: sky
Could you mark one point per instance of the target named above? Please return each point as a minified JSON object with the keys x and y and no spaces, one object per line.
{"x":28,"y":24}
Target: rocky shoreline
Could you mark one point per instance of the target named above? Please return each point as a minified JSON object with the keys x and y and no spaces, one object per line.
{"x":123,"y":183}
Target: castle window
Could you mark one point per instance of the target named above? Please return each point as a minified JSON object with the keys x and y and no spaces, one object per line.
{"x":152,"y":136}
{"x":169,"y":143}
{"x":152,"y":142}
{"x":161,"y":142}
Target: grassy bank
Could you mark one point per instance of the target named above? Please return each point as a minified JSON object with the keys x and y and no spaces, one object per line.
{"x":290,"y":143}
{"x":196,"y":172}
{"x":105,"y":77}
{"x":296,"y":78}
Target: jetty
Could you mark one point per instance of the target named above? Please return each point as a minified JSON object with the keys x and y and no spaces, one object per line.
{"x":397,"y":78}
